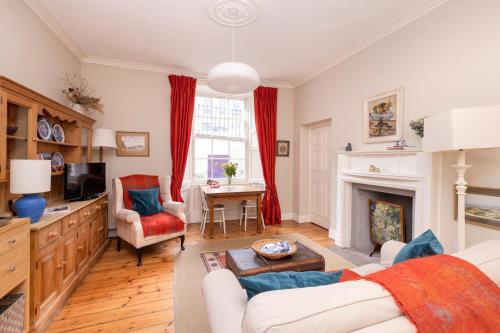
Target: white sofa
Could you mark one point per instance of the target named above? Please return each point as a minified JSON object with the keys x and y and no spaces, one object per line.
{"x":128,"y":222}
{"x":356,"y":306}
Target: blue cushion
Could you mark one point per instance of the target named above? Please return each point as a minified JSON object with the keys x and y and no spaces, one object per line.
{"x":287,"y":280}
{"x":145,"y":202}
{"x":424,"y":245}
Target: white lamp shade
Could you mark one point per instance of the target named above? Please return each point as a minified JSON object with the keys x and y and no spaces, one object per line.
{"x":30,"y":176}
{"x":464,"y":128}
{"x":103,"y":137}
{"x":233,"y":78}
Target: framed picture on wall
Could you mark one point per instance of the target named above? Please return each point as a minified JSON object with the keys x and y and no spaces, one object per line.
{"x":386,"y":221}
{"x":282,"y":148}
{"x":383,"y":117}
{"x":132,"y":143}
{"x":482,"y":206}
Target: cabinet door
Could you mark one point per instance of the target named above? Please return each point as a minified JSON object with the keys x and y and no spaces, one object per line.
{"x":82,"y":245}
{"x":15,"y":130}
{"x":94,"y":233}
{"x":68,"y":252}
{"x":47,"y":270}
{"x":103,"y":229}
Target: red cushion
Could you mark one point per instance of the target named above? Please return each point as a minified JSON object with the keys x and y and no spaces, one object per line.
{"x":160,"y":224}
{"x":138,"y":182}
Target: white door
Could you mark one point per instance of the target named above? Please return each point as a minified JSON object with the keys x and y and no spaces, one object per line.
{"x":320,"y":166}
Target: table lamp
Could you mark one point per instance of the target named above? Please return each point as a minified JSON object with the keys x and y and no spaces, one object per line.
{"x":29,"y":178}
{"x":460,"y":130}
{"x":103,"y":138}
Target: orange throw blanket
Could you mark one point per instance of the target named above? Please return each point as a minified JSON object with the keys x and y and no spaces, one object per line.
{"x":443,"y":294}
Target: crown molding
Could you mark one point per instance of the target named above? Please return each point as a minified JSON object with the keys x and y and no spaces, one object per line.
{"x":412,"y":15}
{"x":44,"y":14}
{"x":201,"y":77}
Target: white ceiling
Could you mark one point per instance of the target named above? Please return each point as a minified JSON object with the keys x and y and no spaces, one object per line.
{"x":290,"y":42}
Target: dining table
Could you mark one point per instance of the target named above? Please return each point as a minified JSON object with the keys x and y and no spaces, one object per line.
{"x":221,"y":194}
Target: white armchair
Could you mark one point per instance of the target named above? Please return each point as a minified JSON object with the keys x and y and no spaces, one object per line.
{"x":128,"y":222}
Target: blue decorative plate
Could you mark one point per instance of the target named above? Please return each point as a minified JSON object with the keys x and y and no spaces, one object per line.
{"x":57,"y":161}
{"x":58,"y":133}
{"x":44,"y":129}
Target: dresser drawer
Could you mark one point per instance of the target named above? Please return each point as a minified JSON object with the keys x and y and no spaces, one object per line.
{"x":69,"y":223}
{"x":14,"y":266}
{"x":13,"y":239}
{"x":85,"y":212}
{"x":49,"y":234}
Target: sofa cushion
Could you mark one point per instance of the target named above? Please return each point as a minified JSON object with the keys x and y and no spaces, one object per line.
{"x":287,"y":280}
{"x":145,"y":202}
{"x":160,"y":224}
{"x":138,"y":182}
{"x":424,"y":245}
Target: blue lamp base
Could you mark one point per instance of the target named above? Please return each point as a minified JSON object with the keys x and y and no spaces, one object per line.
{"x":31,"y":205}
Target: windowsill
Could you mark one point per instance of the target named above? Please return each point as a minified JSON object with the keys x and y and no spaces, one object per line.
{"x":190,"y":184}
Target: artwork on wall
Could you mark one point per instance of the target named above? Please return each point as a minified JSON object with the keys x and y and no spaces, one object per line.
{"x":482,"y":206}
{"x":386,"y":222}
{"x":282,"y":148}
{"x":132,"y":143}
{"x":383,"y":117}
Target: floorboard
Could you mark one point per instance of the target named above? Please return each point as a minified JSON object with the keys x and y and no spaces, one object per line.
{"x":118,"y":296}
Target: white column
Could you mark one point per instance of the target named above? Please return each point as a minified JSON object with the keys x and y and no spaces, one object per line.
{"x":461,"y":186}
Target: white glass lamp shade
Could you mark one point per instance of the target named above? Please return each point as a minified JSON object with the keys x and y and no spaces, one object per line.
{"x":463,"y":128}
{"x":103,"y":137}
{"x":233,"y":78}
{"x":30,"y":176}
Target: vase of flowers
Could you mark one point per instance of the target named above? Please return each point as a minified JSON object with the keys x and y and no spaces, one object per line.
{"x":230,"y":169}
{"x":418,"y":126}
{"x":80,"y":95}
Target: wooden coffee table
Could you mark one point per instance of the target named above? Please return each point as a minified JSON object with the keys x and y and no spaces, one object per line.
{"x":245,"y":262}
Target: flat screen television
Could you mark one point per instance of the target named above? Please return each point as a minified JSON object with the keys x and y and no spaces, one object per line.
{"x":84,"y":181}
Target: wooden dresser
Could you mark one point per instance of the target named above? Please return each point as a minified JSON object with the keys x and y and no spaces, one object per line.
{"x":14,"y":261}
{"x":64,"y":247}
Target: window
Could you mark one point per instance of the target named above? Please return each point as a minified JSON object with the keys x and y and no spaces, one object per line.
{"x":219,"y":135}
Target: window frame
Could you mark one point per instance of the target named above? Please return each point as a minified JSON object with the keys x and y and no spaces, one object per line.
{"x":190,"y":166}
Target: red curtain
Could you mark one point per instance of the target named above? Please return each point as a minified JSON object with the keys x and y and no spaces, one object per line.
{"x":182,"y":95}
{"x":266,"y":108}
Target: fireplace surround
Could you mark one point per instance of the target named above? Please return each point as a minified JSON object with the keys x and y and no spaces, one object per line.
{"x":399,"y":174}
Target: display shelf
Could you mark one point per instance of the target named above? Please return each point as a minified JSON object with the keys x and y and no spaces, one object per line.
{"x":16,"y":137}
{"x":57,"y":143}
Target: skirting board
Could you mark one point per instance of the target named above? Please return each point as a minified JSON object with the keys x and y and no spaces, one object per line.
{"x":235,"y":215}
{"x":332,"y":234}
{"x":301,"y":218}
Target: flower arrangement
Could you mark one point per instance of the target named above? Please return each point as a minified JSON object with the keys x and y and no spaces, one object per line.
{"x":230,"y":169}
{"x":79,"y":92}
{"x":418,"y":126}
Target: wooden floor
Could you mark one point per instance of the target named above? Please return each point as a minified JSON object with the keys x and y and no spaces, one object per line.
{"x":117,"y":296}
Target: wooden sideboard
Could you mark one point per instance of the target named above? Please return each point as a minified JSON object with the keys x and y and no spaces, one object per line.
{"x":14,"y":262}
{"x":64,"y":247}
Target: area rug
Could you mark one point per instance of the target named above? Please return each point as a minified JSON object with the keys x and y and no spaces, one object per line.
{"x":189,"y":270}
{"x":214,"y":260}
{"x":356,"y":257}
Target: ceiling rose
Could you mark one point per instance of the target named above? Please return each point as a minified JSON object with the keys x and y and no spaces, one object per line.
{"x":233,"y":77}
{"x":243,"y":12}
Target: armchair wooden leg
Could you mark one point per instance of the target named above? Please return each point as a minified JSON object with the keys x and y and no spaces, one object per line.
{"x":182,"y":242}
{"x":139,"y":257}
{"x":118,"y":244}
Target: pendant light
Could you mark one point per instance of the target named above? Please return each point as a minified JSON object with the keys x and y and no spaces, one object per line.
{"x":233,"y":77}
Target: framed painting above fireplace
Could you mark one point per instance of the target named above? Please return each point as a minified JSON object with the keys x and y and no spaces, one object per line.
{"x":386,"y":221}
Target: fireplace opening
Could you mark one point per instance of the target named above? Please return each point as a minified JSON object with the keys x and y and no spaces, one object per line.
{"x":385,"y":206}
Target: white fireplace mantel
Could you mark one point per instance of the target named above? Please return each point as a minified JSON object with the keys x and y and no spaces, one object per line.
{"x":406,"y":170}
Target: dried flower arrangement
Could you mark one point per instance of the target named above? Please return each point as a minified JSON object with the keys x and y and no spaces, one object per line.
{"x":80,"y":92}
{"x":418,"y":126}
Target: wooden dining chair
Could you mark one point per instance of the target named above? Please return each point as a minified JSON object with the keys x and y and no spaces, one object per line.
{"x":246,"y":206}
{"x":218,"y":210}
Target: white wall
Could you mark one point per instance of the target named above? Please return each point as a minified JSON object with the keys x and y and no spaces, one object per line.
{"x":31,"y":54}
{"x":448,"y":58}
